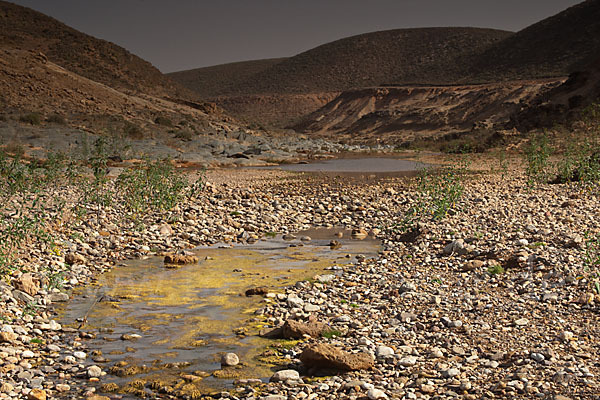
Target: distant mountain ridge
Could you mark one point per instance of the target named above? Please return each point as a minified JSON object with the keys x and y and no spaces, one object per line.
{"x":426,"y":55}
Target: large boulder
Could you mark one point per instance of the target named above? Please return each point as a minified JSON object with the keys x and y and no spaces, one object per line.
{"x":328,"y":357}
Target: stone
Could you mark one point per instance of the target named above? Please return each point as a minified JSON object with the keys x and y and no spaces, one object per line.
{"x":75,"y":259}
{"x":230,"y":359}
{"x":383,"y":351}
{"x":58,"y":297}
{"x":408,"y":361}
{"x":37,"y":394}
{"x":285,"y":375}
{"x":359,"y":233}
{"x":6,"y":388}
{"x":374,"y":394}
{"x":9,"y":337}
{"x":80,"y":355}
{"x":522,"y":322}
{"x":294,"y":301}
{"x":94,"y":371}
{"x":328,"y":357}
{"x":296,"y":330}
{"x":27,"y":284}
{"x":180,"y":259}
{"x":451,"y":373}
{"x":257,"y":291}
{"x":27,"y":354}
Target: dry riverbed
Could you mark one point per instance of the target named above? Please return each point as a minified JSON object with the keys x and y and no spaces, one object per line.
{"x":494,"y":301}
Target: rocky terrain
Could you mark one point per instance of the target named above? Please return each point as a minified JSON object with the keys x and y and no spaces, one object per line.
{"x":495,"y":300}
{"x":400,"y":115}
{"x":281,"y":93}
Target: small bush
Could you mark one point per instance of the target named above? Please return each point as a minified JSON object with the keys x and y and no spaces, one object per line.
{"x":537,"y":157}
{"x":31,"y":118}
{"x":133,"y":131}
{"x":56,"y":119}
{"x":184,"y":135}
{"x":164,"y":121}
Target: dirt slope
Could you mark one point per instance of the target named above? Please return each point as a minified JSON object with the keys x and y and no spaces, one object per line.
{"x":402,"y":114}
{"x":96,"y":59}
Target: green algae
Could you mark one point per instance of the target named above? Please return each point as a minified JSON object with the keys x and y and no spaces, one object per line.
{"x":191,"y":314}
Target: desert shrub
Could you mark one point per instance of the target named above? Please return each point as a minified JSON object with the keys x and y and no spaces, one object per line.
{"x":151,"y":186}
{"x":184,"y":134}
{"x":537,"y":157}
{"x":56,"y":119}
{"x":31,"y":118}
{"x":132,"y":131}
{"x":438,"y":191}
{"x":164,"y":121}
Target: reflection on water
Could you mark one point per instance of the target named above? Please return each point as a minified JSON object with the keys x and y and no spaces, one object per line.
{"x":190,"y":314}
{"x":357,"y":165}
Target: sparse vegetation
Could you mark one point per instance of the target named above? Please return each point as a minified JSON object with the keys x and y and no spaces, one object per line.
{"x":437,"y":192}
{"x":331,"y":333}
{"x":56,"y":119}
{"x":164,"y":121}
{"x":31,"y":118}
{"x":132,"y":131}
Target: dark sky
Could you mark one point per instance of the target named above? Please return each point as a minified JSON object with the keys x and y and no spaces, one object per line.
{"x":182,"y":34}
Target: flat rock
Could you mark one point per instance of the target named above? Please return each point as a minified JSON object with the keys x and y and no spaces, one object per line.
{"x":328,"y":357}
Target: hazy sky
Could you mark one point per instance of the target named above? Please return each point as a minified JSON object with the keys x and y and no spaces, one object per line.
{"x":182,"y":34}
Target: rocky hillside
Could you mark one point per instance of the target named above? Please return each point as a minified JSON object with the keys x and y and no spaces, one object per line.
{"x":403,"y":114}
{"x":559,"y":45}
{"x":101,"y":61}
{"x":400,"y":56}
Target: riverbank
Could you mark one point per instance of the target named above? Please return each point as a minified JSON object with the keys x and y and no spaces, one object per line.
{"x":494,"y":300}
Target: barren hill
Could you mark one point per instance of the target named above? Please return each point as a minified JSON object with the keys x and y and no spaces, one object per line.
{"x":555,"y":46}
{"x":401,"y":56}
{"x":101,"y":61}
{"x":218,"y":79}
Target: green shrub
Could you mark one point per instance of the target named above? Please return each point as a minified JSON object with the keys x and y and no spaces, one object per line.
{"x":31,"y":118}
{"x":537,"y":155}
{"x":151,"y":186}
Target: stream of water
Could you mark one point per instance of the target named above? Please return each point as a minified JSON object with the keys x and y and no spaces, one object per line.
{"x":191,"y":314}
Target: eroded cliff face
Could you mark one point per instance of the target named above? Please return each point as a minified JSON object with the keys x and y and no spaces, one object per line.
{"x":565,"y":104}
{"x":402,"y":114}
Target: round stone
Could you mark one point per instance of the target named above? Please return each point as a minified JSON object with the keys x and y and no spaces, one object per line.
{"x":230,"y":359}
